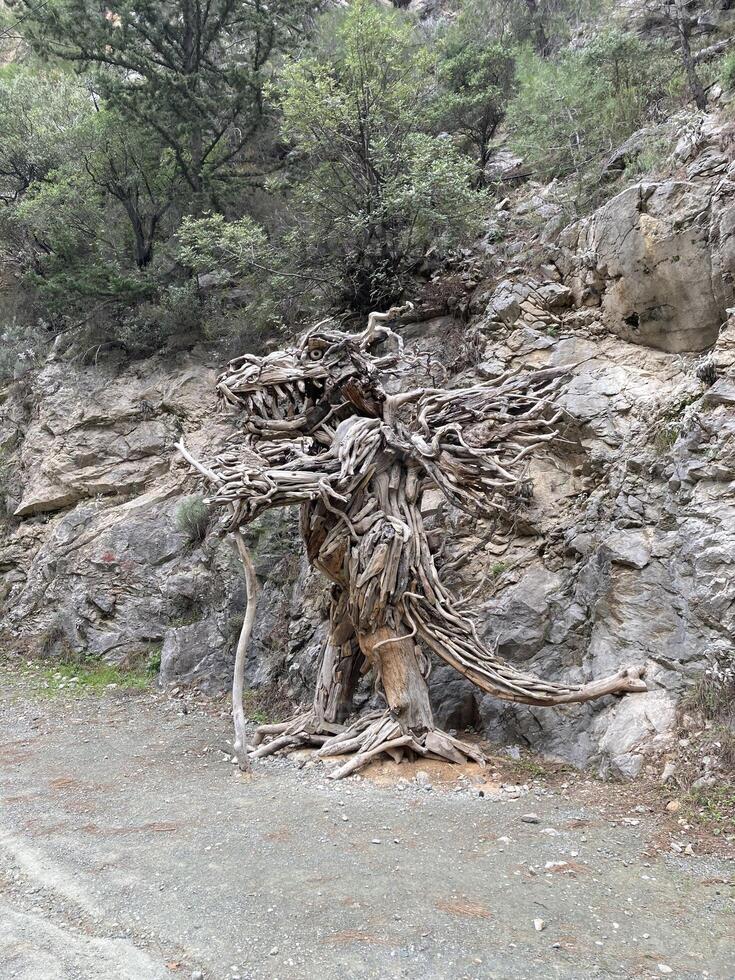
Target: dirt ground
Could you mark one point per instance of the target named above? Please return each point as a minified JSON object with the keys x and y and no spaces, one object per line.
{"x":132,"y":849}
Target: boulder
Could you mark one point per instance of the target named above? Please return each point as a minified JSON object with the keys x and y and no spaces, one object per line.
{"x":648,"y":254}
{"x":635,"y":723}
{"x":505,"y":303}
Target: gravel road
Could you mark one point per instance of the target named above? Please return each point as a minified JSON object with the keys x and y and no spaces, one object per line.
{"x":131,"y":849}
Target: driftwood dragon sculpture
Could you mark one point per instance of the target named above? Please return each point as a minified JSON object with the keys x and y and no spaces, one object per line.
{"x":326,"y":425}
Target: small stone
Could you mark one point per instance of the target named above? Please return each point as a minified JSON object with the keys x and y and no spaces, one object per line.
{"x":375,"y":840}
{"x":197,"y":975}
{"x":539,"y":925}
{"x":689,"y":850}
{"x":704,"y":782}
{"x":673,"y":806}
{"x":531,"y":818}
{"x":669,"y":772}
{"x":274,"y":951}
{"x":550,"y":832}
{"x":663,"y":968}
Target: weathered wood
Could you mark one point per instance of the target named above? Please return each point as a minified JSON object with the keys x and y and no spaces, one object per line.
{"x":406,"y":691}
{"x":318,"y":428}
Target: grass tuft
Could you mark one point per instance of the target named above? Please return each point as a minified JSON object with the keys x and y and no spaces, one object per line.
{"x":192,"y":519}
{"x":90,"y":677}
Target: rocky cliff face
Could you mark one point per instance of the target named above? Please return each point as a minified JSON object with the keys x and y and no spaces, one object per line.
{"x":624,"y":555}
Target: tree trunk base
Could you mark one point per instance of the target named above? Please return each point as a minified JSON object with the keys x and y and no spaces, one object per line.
{"x":371,"y":735}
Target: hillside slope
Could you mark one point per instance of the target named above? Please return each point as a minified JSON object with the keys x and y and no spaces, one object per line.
{"x":624,"y":555}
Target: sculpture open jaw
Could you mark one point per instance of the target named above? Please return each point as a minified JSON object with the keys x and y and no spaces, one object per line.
{"x":288,"y":401}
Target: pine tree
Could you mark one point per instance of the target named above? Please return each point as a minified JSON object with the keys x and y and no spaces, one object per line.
{"x":193,"y":73}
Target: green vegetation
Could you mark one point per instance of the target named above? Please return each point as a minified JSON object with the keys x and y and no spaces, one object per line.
{"x":171,"y":173}
{"x":529,"y":768}
{"x":727,"y":71}
{"x":192,"y":519}
{"x":570,"y":112}
{"x":374,"y":192}
{"x":86,"y":677}
{"x":711,"y":700}
{"x":476,"y":73}
{"x":713,"y":807}
{"x":713,"y":696}
{"x":153,"y":660}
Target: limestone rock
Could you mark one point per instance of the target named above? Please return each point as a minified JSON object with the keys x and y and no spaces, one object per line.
{"x":648,"y":254}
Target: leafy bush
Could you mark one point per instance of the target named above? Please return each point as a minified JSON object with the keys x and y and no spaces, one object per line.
{"x":570,"y":112}
{"x":374,"y":191}
{"x":153,"y":660}
{"x":192,"y":519}
{"x":727,"y":71}
{"x":475,"y":75}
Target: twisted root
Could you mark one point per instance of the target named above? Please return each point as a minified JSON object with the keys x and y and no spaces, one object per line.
{"x":373,"y":734}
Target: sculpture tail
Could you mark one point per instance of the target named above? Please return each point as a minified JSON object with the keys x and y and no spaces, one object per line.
{"x":453,"y":637}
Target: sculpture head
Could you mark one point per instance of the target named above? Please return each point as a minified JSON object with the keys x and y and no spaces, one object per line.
{"x":328,"y":373}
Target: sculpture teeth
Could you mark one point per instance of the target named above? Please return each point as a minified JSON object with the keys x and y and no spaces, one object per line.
{"x":258,"y":403}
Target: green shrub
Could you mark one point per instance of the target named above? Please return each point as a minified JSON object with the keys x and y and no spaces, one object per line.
{"x":727,"y":71}
{"x":153,"y":663}
{"x":569,"y":113}
{"x":475,"y":75}
{"x":374,"y":191}
{"x":192,"y":519}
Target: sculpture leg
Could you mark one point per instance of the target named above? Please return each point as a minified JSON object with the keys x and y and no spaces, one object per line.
{"x":339,"y":673}
{"x":398,"y":664}
{"x":337,"y":680}
{"x":407,"y":726}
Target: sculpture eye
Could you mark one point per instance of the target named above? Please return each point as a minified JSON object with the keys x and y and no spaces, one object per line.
{"x":316,"y":354}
